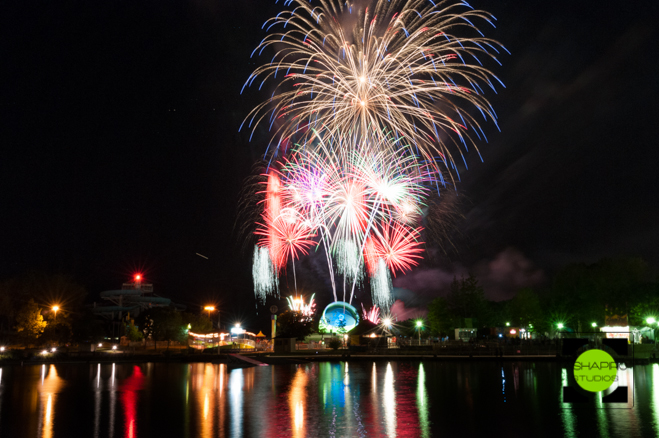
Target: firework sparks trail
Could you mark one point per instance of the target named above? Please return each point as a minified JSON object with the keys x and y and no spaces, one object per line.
{"x":362,"y":116}
{"x":372,"y":315}
{"x":353,"y":203}
{"x":266,"y":281}
{"x":403,"y":65}
{"x":381,"y":286}
{"x":297,"y":304}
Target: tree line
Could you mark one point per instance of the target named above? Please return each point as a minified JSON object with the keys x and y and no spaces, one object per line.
{"x":39,"y":309}
{"x":578,"y":296}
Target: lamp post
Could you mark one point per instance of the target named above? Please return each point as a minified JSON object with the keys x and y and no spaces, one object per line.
{"x":419,"y":324}
{"x":650,"y":322}
{"x":55,"y":309}
{"x":211,"y":309}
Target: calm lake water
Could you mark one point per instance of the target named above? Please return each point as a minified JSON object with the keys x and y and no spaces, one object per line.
{"x":330,"y":399}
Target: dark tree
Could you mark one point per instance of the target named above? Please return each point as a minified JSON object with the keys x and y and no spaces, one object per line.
{"x":29,"y":323}
{"x":466,"y":300}
{"x":292,"y":324}
{"x":440,"y":319}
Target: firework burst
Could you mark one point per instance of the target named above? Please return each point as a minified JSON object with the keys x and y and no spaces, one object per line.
{"x":401,"y":66}
{"x":367,"y":118}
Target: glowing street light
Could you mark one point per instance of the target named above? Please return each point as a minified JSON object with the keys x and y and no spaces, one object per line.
{"x":210,"y":309}
{"x":55,"y":309}
{"x":650,"y":320}
{"x":594,"y":324}
{"x":507,"y":324}
{"x":560,"y":325}
{"x":386,"y":322}
{"x":419,"y":324}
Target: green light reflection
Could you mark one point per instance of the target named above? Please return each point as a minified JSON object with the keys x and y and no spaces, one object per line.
{"x":655,"y":395}
{"x":567,"y":416}
{"x":422,"y":402}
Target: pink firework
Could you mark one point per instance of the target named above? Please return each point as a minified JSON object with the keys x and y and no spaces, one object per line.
{"x":372,"y":315}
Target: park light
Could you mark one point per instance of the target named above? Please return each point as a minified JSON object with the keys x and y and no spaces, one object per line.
{"x":651,"y":320}
{"x":594,"y":324}
{"x":560,"y":325}
{"x":507,"y":324}
{"x":419,"y":324}
{"x":55,"y":309}
{"x":114,"y":347}
{"x":386,"y":322}
{"x":138,"y":277}
{"x":44,"y":352}
{"x":100,"y":345}
{"x":53,"y":349}
{"x":2,"y":348}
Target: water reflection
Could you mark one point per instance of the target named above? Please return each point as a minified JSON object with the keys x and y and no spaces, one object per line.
{"x":655,"y":396}
{"x":394,"y":399}
{"x":97,"y":403}
{"x":236,"y":391}
{"x":48,"y":390}
{"x":1,"y":396}
{"x":297,"y":402}
{"x":422,"y":402}
{"x":567,"y":416}
{"x":129,"y":397}
{"x":389,"y":401}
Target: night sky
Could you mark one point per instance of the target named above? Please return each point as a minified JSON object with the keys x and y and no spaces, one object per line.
{"x":121,"y":150}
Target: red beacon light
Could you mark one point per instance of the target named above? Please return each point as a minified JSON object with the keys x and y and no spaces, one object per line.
{"x":138,"y":277}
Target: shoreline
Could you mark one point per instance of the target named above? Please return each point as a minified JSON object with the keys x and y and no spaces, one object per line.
{"x":284,"y":359}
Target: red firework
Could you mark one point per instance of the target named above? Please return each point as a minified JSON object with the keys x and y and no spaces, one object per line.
{"x":286,"y":238}
{"x":398,"y":245}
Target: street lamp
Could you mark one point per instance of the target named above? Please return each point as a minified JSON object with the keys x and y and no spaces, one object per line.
{"x":419,"y":324}
{"x":560,"y":325}
{"x":55,"y":309}
{"x":210,"y":309}
{"x":507,"y":324}
{"x":650,"y":320}
{"x":594,"y":325}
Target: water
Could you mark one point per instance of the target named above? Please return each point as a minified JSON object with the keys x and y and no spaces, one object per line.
{"x":331,"y":399}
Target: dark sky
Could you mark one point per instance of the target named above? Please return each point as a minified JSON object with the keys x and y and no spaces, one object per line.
{"x":121,"y":150}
